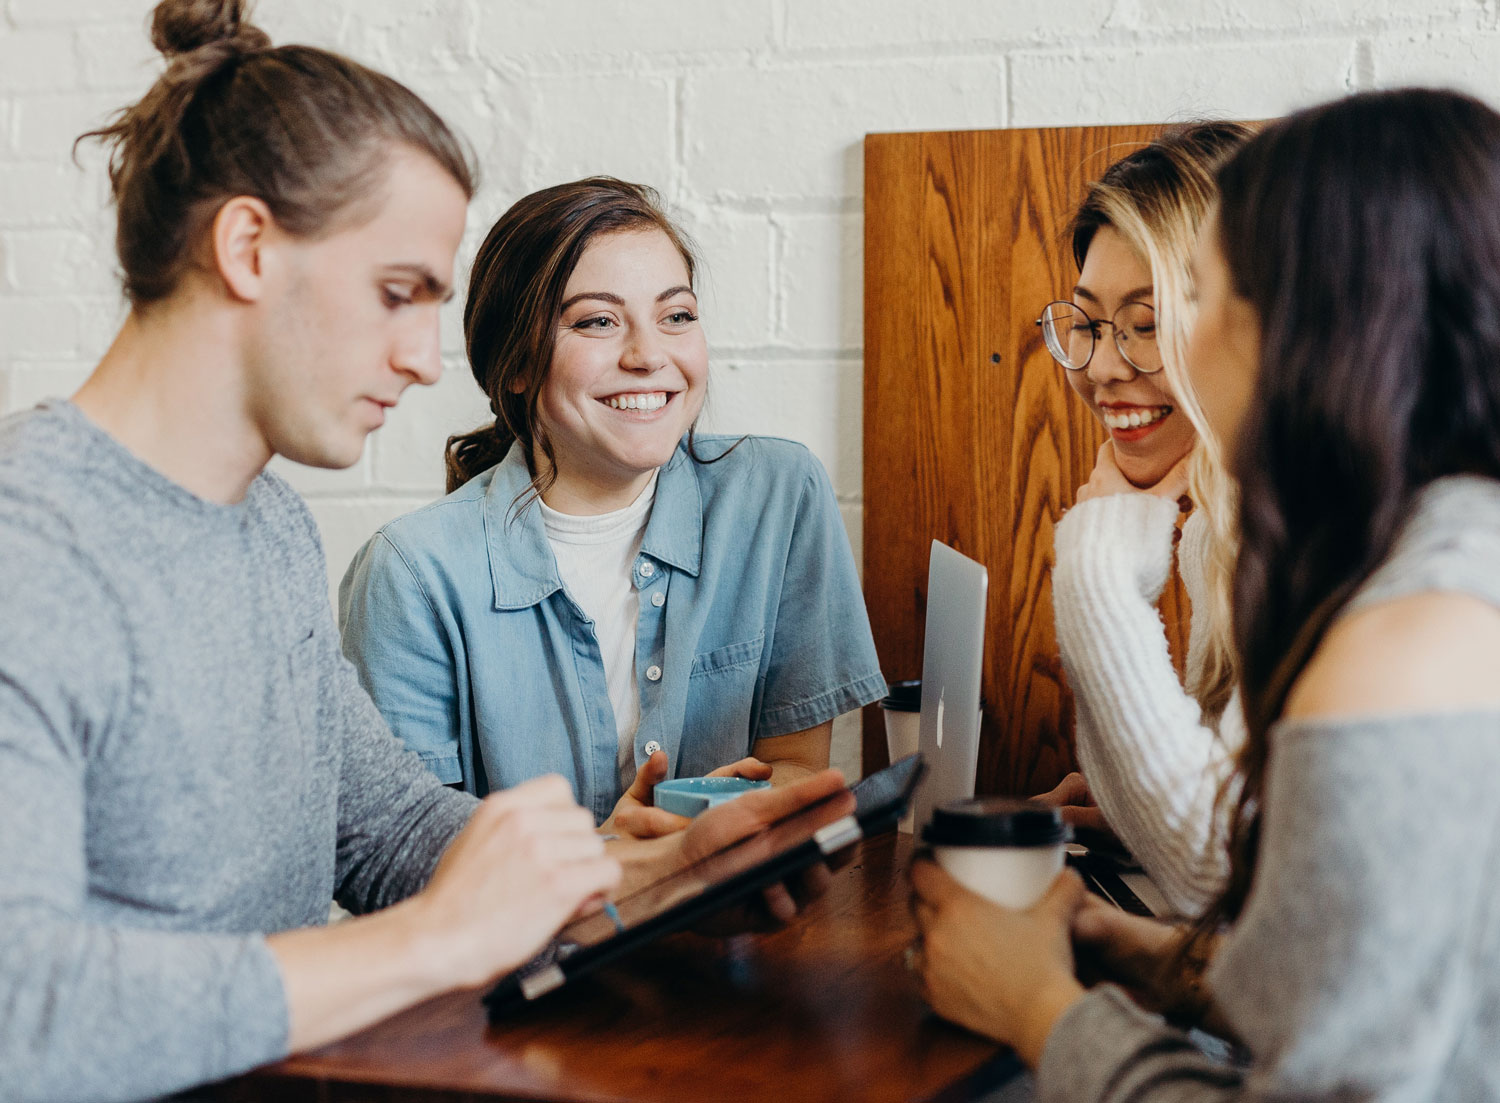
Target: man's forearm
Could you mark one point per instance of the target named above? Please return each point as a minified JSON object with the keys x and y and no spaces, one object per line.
{"x":343,"y":978}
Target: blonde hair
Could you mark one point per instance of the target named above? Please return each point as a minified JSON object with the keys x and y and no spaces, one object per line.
{"x":1157,"y":199}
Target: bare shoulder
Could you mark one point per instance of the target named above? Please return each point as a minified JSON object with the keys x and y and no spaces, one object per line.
{"x":1430,"y":652}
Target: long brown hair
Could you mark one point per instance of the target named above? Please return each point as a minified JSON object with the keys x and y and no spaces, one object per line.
{"x":1365,"y":233}
{"x":302,"y":129}
{"x":515,"y":296}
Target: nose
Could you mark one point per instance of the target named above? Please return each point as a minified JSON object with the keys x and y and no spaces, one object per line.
{"x":643,"y":350}
{"x":1107,"y":365}
{"x":418,"y":353}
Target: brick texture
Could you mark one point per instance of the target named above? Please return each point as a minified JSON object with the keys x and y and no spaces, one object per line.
{"x":748,"y":115}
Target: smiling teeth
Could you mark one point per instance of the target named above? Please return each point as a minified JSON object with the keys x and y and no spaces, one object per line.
{"x":1135,"y":418}
{"x":653,"y":401}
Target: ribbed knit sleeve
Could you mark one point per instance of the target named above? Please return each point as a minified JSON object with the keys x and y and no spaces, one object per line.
{"x":1151,"y":763}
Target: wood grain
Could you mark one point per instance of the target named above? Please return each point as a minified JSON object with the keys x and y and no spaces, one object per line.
{"x":822,"y":1012}
{"x":971,"y":434}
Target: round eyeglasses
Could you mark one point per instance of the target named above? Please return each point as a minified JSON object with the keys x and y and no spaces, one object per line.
{"x":1070,"y":335}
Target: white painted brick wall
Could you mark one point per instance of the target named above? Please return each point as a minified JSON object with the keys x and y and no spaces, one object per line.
{"x":748,"y":115}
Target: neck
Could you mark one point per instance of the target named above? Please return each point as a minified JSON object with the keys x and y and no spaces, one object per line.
{"x":588,"y":493}
{"x":170,"y":390}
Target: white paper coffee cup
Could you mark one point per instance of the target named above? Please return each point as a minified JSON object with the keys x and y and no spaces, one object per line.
{"x":902,"y":707}
{"x":1007,"y":850}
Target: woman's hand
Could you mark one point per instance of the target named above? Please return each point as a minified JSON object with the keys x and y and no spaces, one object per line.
{"x":1107,"y":479}
{"x":1002,"y":973}
{"x":1145,"y":956}
{"x":649,"y":860}
{"x":634,"y":815}
{"x":1129,"y":950}
{"x":1073,"y":799}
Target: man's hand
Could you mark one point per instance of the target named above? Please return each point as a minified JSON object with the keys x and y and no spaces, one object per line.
{"x":527,"y":862}
{"x":635,"y":816}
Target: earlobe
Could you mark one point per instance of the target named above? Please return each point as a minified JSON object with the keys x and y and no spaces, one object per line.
{"x":240,"y":236}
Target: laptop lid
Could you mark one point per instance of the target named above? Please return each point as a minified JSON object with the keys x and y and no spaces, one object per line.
{"x":952,"y":667}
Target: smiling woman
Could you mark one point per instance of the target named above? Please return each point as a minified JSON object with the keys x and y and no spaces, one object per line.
{"x":604,"y":593}
{"x":1119,"y":374}
{"x":1154,"y":750}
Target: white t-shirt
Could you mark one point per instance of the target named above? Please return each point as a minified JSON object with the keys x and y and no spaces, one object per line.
{"x":596,"y":560}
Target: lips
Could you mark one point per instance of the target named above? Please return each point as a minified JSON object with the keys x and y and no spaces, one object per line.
{"x":379,"y":406}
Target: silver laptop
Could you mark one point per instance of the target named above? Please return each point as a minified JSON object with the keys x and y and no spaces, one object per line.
{"x":952,"y":666}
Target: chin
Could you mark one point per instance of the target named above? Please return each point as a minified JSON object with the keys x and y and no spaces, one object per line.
{"x":1146,"y":471}
{"x":329,"y":455}
{"x":651,"y":456}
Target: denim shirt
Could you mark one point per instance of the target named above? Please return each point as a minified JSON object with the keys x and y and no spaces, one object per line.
{"x":751,"y":625}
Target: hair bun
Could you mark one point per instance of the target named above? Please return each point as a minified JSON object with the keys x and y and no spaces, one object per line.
{"x":182,"y":26}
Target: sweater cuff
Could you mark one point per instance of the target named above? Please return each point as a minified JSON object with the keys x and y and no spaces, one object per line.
{"x":255,"y":1009}
{"x":1119,"y":536}
{"x":1097,"y":1047}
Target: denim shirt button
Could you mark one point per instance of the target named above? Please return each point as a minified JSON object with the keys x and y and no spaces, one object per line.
{"x":658,"y":599}
{"x":653,"y":674}
{"x":651,"y":747}
{"x":647,"y":569}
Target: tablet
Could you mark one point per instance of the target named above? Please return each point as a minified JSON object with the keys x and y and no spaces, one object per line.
{"x":773,"y":854}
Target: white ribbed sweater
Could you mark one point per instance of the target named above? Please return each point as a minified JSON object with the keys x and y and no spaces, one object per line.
{"x":1151,"y":762}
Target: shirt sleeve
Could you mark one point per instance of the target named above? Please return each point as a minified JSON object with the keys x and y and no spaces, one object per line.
{"x":395,"y":818}
{"x":822,"y":662}
{"x":90,"y":1010}
{"x":394,"y":637}
{"x":1152,"y":765}
{"x":1364,"y":963}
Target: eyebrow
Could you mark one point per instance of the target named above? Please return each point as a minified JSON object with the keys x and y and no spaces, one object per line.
{"x":1134,"y":294}
{"x":431,"y":285}
{"x":611,"y":297}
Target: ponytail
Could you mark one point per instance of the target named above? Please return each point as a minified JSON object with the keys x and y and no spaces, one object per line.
{"x":468,"y":454}
{"x":302,"y":129}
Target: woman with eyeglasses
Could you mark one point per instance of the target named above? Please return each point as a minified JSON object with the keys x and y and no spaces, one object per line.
{"x":1346,"y":351}
{"x":1153,"y":753}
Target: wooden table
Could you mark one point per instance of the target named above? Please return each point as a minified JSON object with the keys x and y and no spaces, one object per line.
{"x":822,"y":1011}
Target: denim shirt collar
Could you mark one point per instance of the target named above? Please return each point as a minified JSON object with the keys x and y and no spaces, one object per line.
{"x":523,"y":569}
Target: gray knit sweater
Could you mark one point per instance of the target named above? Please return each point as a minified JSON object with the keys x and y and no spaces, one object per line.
{"x":1366,"y":965}
{"x":186,"y":763}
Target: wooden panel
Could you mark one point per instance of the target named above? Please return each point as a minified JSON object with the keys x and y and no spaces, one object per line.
{"x":971,"y":434}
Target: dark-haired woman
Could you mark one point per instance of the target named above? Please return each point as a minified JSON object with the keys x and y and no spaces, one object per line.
{"x":605,"y":594}
{"x":1345,"y":352}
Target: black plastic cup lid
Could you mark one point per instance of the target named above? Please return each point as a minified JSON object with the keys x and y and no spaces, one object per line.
{"x":996,"y":821}
{"x":903,"y":696}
